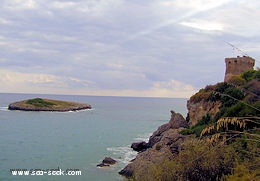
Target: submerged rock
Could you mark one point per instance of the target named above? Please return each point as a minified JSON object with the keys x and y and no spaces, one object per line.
{"x":103,"y":165}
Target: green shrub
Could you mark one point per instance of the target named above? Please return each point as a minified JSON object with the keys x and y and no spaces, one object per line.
{"x":237,"y":80}
{"x":249,"y":75}
{"x":187,"y":131}
{"x":197,"y":129}
{"x":231,"y":95}
{"x":201,"y":95}
{"x":221,"y":87}
{"x":204,"y":120}
{"x":240,"y":172}
{"x":257,"y":75}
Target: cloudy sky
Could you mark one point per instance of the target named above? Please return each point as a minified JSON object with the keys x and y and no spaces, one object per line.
{"x":162,"y":48}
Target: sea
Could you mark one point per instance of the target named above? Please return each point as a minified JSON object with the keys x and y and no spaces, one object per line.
{"x":68,"y":145}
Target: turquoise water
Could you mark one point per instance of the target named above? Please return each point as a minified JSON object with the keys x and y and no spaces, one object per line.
{"x":78,"y":140}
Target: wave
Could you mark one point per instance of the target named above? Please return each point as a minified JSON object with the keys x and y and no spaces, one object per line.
{"x":67,"y":112}
{"x":4,"y":109}
{"x":124,"y":154}
{"x":143,"y":137}
{"x":84,"y":110}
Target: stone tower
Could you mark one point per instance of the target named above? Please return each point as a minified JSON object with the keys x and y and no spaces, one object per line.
{"x":238,"y":65}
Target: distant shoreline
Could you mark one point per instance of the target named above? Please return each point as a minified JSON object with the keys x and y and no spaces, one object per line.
{"x":39,"y":104}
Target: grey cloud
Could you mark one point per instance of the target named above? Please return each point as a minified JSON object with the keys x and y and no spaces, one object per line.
{"x":118,"y":44}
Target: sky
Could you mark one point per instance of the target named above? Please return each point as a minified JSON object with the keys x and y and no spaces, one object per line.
{"x":147,"y":48}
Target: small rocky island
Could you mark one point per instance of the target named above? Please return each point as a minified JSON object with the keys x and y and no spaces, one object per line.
{"x":39,"y":104}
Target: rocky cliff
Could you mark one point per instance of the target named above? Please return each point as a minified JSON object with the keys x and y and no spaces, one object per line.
{"x":164,"y":143}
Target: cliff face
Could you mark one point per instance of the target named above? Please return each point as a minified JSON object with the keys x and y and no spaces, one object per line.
{"x":196,"y":110}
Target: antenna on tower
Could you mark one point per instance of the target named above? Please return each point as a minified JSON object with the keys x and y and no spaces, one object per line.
{"x":235,"y":48}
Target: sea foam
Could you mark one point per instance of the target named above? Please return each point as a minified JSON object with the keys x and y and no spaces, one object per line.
{"x":3,"y":108}
{"x":124,"y":154}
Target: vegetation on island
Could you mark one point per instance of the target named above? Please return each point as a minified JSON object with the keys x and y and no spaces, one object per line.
{"x":225,"y":146}
{"x":39,"y":104}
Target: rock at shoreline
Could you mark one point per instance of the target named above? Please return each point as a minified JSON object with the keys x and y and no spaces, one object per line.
{"x":108,"y":161}
{"x":176,"y":121}
{"x":139,"y":146}
{"x":39,"y":104}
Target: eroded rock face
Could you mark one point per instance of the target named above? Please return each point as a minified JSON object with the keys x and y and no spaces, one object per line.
{"x":157,"y":135}
{"x":176,"y":121}
{"x":173,"y":140}
{"x":199,"y":109}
